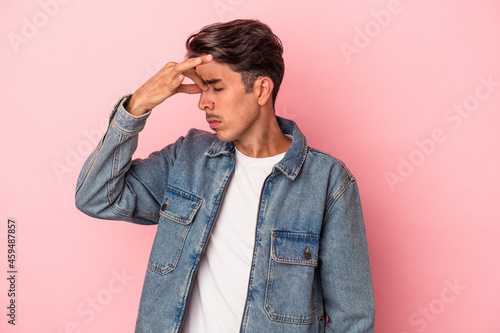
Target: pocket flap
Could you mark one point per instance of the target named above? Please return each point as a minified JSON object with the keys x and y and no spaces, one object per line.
{"x":180,"y":206}
{"x":295,"y":248}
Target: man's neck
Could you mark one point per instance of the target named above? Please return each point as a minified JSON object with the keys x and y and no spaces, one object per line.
{"x":268,"y":141}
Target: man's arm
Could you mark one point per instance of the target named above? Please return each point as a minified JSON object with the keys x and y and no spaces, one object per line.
{"x":110,"y":184}
{"x":345,"y":266}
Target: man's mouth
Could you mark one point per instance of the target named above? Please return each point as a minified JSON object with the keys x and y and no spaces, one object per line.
{"x":213,"y":122}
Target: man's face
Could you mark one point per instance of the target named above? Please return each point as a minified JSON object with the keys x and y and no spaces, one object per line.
{"x":231,"y":112}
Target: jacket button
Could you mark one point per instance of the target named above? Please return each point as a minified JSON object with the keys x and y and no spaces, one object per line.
{"x":307,"y":254}
{"x":164,"y":206}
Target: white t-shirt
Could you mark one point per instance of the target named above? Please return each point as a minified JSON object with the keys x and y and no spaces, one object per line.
{"x":219,"y":291}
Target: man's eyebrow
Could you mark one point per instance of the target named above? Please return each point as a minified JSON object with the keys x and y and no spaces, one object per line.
{"x":212,"y":81}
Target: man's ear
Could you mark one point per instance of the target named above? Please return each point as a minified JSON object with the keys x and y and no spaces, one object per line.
{"x":263,"y":89}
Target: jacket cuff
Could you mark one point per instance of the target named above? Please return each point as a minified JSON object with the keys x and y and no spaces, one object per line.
{"x":125,"y":123}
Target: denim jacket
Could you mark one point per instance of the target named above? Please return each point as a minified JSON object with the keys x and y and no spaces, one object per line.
{"x":310,"y":269}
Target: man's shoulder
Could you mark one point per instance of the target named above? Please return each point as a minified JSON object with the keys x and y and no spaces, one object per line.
{"x":328,"y":171}
{"x":329,"y":162}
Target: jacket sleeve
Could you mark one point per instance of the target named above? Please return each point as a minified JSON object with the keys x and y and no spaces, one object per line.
{"x":111,"y":185}
{"x":345,"y":265}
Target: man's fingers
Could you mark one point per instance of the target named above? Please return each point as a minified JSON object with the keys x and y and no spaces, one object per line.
{"x":191,"y":63}
{"x":169,"y":80}
{"x":191,"y":73}
{"x":188,"y":89}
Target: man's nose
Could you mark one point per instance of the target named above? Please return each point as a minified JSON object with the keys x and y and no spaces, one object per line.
{"x":205,"y":102}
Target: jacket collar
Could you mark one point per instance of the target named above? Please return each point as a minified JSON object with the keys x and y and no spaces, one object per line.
{"x":294,"y":158}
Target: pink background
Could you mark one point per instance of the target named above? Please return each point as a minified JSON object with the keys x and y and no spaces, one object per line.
{"x":372,"y":82}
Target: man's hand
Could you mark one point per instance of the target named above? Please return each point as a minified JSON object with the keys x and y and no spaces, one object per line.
{"x":167,"y":82}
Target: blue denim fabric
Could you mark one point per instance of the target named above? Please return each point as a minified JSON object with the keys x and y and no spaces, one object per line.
{"x":310,"y":260}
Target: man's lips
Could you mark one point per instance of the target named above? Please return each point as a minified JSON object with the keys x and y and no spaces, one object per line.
{"x":213,"y":122}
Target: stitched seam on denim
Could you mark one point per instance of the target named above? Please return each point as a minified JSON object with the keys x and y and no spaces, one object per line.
{"x":299,"y":262}
{"x":210,"y":151}
{"x":270,"y":279}
{"x":275,"y":317}
{"x":178,"y":219}
{"x":123,"y":131}
{"x":116,"y":153}
{"x":111,"y":188}
{"x":250,"y":282}
{"x":297,"y":167}
{"x":337,"y":195}
{"x":190,"y":197}
{"x":99,"y":145}
{"x":118,"y":129}
{"x":267,"y":301}
{"x":302,"y":159}
{"x":85,"y":173}
{"x":97,"y":151}
{"x":217,"y":202}
{"x":140,"y":212}
{"x":263,"y":203}
{"x":173,"y":265}
{"x":302,"y":262}
{"x":268,"y":288}
{"x":346,"y":169}
{"x":293,"y":319}
{"x":278,"y":233}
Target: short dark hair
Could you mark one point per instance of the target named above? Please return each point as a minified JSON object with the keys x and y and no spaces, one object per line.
{"x":249,"y":47}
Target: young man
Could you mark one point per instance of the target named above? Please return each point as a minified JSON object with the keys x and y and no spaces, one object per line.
{"x":257,"y":232}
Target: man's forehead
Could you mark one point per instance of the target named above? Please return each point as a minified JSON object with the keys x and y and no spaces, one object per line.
{"x":215,"y":70}
{"x":209,"y":74}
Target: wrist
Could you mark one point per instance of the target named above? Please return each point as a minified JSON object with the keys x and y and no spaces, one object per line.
{"x":133,"y":106}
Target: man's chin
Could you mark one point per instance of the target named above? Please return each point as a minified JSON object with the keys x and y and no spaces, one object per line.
{"x":222,"y":137}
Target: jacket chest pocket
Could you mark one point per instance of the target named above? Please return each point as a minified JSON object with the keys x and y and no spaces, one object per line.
{"x":176,"y":215}
{"x":291,"y":291}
